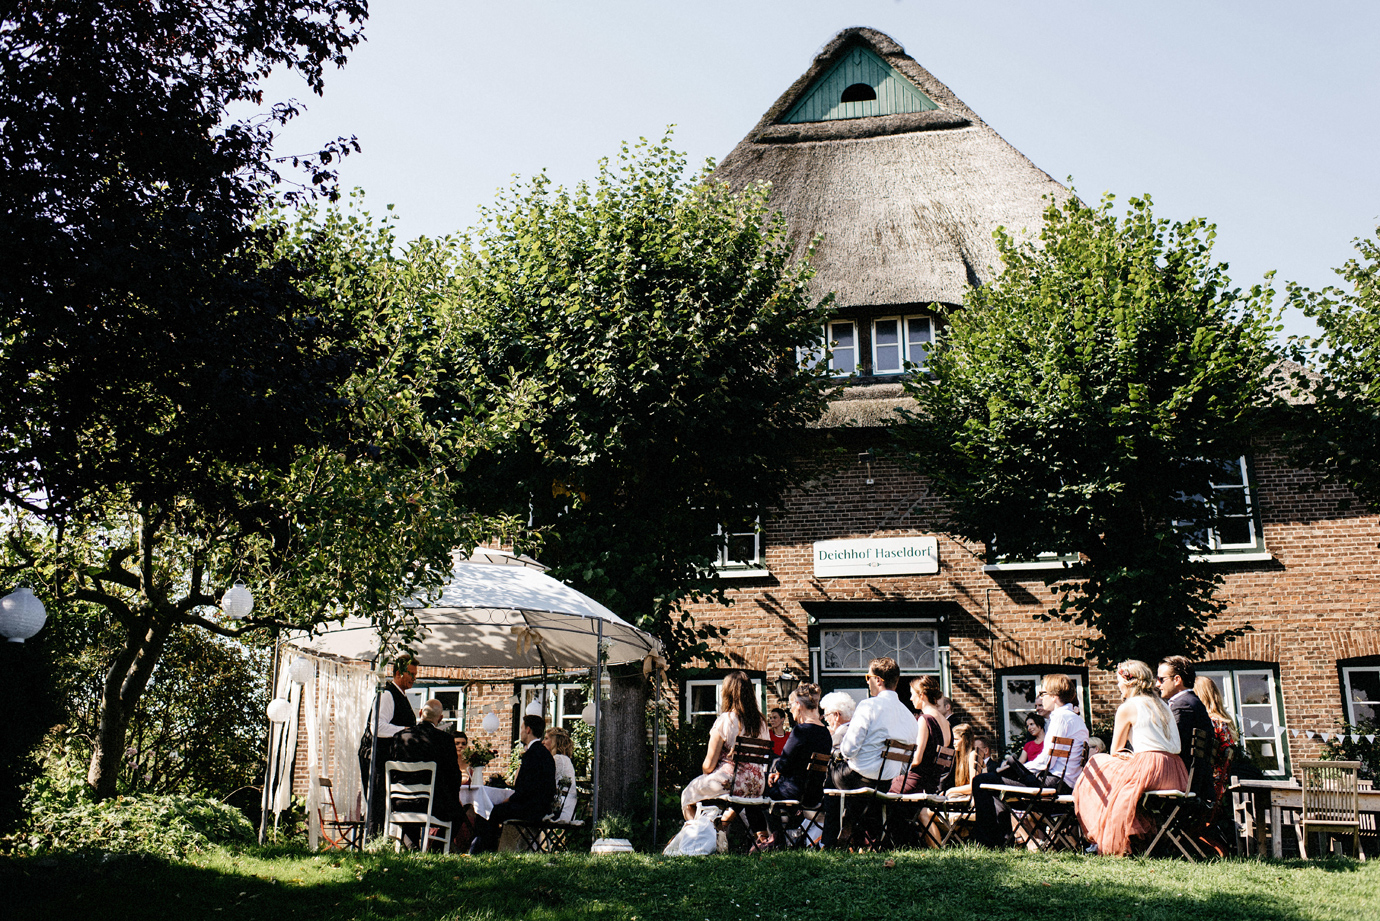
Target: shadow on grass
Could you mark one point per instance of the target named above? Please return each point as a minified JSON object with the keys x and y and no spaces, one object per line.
{"x":949,"y":885}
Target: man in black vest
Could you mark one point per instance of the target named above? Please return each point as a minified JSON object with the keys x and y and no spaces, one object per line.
{"x":533,"y":789}
{"x":1175,"y":679}
{"x":394,"y":715}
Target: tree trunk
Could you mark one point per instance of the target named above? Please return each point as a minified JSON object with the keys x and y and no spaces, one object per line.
{"x":124,"y":685}
{"x":624,"y":752}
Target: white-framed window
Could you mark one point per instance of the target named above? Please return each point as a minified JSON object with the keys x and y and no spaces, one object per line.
{"x":452,"y":698}
{"x":845,"y":649}
{"x":702,"y":698}
{"x":740,"y":547}
{"x":1018,"y":700}
{"x":898,"y":340}
{"x":1361,"y":693}
{"x":563,"y":703}
{"x":839,"y":341}
{"x":1251,"y":695}
{"x":1236,"y":531}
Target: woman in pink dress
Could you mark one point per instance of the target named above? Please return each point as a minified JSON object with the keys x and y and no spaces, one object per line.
{"x":1144,"y":756}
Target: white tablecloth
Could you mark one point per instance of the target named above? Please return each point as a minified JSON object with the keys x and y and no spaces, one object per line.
{"x":484,"y":799}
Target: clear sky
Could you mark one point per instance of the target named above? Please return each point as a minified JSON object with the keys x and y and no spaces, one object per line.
{"x":1261,"y":116}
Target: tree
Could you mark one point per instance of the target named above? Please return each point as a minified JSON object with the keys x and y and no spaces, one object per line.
{"x":145,"y":338}
{"x":345,"y":526}
{"x":1337,"y":431}
{"x":658,"y":319}
{"x":1083,"y":404}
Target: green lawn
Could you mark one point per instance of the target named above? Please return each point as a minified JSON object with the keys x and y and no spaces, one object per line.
{"x":955,"y":883}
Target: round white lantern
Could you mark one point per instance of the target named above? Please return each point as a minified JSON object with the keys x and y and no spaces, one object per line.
{"x":301,"y":670}
{"x":535,"y":708}
{"x":237,"y":602}
{"x":21,"y":615}
{"x":490,"y":723}
{"x":589,"y":713}
{"x":280,"y":709}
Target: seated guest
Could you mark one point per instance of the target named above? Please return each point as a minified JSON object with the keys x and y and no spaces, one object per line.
{"x":789,"y":777}
{"x":837,"y":707}
{"x":1175,"y":682}
{"x":1096,"y":746}
{"x":983,"y":759}
{"x":777,"y":730}
{"x":1223,"y":749}
{"x":932,"y":732}
{"x":879,"y":718}
{"x":462,"y":742}
{"x":533,"y":789}
{"x":427,"y":741}
{"x":993,"y":826}
{"x":1144,"y":756}
{"x":557,"y":741}
{"x":1035,"y":728}
{"x":966,"y":761}
{"x":738,"y":715}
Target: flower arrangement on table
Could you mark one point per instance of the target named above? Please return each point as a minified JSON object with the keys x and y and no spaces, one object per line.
{"x":478,"y":754}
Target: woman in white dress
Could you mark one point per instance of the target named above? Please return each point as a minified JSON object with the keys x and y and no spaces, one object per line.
{"x":557,"y":741}
{"x":738,"y":713}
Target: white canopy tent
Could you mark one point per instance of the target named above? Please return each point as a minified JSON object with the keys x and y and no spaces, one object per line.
{"x":501,"y":614}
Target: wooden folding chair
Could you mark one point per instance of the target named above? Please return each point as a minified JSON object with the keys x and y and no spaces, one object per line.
{"x":1330,"y":802}
{"x":337,"y":833}
{"x":1180,"y":814}
{"x":893,"y":751}
{"x":550,"y":835}
{"x":746,"y":751}
{"x":414,"y":791}
{"x":909,"y":815}
{"x":1035,"y":807}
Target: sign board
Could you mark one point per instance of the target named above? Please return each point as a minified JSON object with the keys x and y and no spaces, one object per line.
{"x":882,"y":556}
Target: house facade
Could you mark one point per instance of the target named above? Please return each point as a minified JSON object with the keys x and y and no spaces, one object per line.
{"x":903,"y":185}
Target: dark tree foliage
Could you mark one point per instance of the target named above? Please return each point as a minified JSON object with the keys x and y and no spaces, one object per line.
{"x":27,"y":682}
{"x":143,"y":337}
{"x":657,"y":320}
{"x":1084,"y":403}
{"x":1338,"y":428}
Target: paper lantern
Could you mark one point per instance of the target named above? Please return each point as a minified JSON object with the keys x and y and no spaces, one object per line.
{"x":490,"y":723}
{"x":589,"y":713}
{"x":280,"y":710}
{"x":21,"y":615}
{"x":237,"y":602}
{"x":301,"y":670}
{"x":535,"y":708}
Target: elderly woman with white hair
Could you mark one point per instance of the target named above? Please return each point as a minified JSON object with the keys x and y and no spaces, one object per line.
{"x":838,"y":708}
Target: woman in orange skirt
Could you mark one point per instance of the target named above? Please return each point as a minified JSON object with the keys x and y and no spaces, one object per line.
{"x":1144,"y":756}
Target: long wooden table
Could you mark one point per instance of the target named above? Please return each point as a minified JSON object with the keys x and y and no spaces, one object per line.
{"x":1272,"y":797}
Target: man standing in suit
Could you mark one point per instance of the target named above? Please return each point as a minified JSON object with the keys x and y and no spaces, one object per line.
{"x":427,"y":741}
{"x":1175,"y":679}
{"x":394,"y":715}
{"x":534,"y":789}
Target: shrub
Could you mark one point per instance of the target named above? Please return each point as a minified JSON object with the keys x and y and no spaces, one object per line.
{"x":168,"y":826}
{"x":1365,"y":748}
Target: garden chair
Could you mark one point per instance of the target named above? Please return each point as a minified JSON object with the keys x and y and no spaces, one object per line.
{"x":1179,"y":814}
{"x":746,"y":751}
{"x":909,"y":816}
{"x":411,"y":791}
{"x":550,"y":835}
{"x":872,"y":821}
{"x":1039,"y":809}
{"x":337,"y":833}
{"x":1330,"y":803}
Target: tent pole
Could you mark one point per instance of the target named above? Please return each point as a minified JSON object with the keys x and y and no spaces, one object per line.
{"x":598,"y":720}
{"x":371,"y":782}
{"x":264,"y":799}
{"x":656,"y":754}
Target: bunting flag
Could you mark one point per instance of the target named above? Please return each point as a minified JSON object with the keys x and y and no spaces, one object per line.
{"x":1370,"y":737}
{"x":1310,"y":733}
{"x":1355,"y":738}
{"x":1294,"y":733}
{"x":1324,"y":736}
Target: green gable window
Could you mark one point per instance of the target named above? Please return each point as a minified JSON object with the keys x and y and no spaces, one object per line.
{"x":858,"y":85}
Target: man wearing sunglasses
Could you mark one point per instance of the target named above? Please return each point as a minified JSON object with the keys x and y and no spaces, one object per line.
{"x":1175,"y":681}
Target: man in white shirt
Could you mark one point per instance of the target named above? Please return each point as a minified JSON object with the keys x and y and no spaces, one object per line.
{"x":993,"y":828}
{"x":882,"y":716}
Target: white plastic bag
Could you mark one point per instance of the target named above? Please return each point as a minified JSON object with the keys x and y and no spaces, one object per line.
{"x":698,"y":837}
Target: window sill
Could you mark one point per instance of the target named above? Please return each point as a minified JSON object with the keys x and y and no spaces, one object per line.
{"x":1028,"y":566}
{"x":1227,"y":556}
{"x":743,"y":572}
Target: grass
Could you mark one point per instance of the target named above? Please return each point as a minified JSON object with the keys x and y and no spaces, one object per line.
{"x":950,"y":884}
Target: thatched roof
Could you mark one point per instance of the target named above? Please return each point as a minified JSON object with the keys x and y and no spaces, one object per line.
{"x":906,"y":203}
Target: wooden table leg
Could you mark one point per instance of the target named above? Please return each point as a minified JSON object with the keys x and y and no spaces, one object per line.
{"x":1259,"y":806}
{"x":1276,"y":830}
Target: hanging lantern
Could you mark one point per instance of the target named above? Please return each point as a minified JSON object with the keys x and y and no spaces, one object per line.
{"x":535,"y":708}
{"x":786,"y":683}
{"x":589,"y":713}
{"x":237,"y":602}
{"x":301,"y":670}
{"x":280,"y":710}
{"x":490,"y":723}
{"x":21,"y":615}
